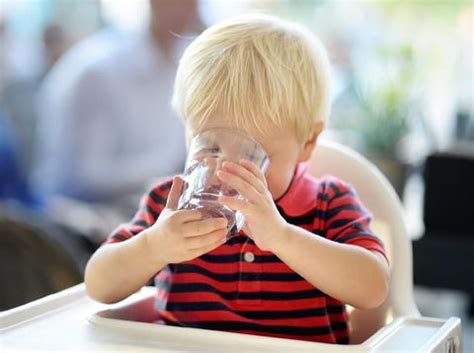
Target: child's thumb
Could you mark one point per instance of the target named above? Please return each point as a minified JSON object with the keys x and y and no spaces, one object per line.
{"x":175,"y":192}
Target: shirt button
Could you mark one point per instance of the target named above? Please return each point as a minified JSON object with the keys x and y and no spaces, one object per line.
{"x":249,"y":257}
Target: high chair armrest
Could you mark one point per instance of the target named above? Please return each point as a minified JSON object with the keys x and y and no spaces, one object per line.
{"x":419,"y":334}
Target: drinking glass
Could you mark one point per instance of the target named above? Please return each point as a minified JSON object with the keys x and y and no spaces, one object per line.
{"x":202,"y":187}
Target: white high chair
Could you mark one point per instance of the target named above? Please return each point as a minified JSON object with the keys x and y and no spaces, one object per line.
{"x":378,"y":195}
{"x":394,"y":326}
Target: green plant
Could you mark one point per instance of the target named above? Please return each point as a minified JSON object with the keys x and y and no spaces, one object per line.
{"x":387,"y":98}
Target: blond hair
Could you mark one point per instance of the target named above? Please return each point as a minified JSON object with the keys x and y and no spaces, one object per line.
{"x":259,"y":71}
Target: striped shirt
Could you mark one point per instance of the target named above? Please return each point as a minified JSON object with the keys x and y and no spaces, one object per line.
{"x":238,"y":287}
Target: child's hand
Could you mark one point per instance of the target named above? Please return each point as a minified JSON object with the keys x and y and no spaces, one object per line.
{"x":181,"y":235}
{"x":263,"y":223}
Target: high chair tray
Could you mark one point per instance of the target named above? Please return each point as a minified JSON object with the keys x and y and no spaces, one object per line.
{"x":70,"y":321}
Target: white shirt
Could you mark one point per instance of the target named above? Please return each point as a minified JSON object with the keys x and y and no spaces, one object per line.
{"x":106,"y":126}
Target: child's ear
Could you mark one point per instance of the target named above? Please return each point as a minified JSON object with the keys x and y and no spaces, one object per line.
{"x":310,"y":143}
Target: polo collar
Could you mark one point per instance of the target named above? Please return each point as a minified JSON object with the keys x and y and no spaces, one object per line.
{"x":300,"y":197}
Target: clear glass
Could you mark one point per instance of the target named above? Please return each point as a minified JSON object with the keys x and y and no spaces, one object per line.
{"x":202,"y":187}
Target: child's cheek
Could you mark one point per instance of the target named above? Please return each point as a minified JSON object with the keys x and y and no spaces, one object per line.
{"x":272,"y":186}
{"x":279,"y":182}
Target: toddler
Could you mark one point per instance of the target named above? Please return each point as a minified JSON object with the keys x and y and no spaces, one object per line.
{"x":306,"y":248}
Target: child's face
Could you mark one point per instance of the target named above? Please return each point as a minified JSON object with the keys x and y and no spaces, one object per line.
{"x":283,"y":150}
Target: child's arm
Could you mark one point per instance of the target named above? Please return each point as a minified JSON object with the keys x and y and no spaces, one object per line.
{"x":117,"y":270}
{"x":349,"y":273}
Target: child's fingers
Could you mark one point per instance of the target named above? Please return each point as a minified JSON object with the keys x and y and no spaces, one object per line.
{"x":233,"y":203}
{"x":209,"y":247}
{"x":185,"y":216}
{"x":205,"y":226}
{"x":239,"y":184}
{"x":245,"y":174}
{"x":175,"y":192}
{"x":252,"y":167}
{"x":203,"y":241}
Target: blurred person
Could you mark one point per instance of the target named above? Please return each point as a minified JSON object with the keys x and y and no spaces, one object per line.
{"x":55,"y":43}
{"x":106,"y":127}
{"x":18,"y":92}
{"x":13,"y":185}
{"x":37,"y":257}
{"x":2,"y":50}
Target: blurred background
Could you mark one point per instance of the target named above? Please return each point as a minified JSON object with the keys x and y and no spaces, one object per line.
{"x":86,"y":124}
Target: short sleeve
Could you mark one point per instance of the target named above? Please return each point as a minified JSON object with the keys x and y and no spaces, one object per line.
{"x":347,"y":220}
{"x":151,"y":205}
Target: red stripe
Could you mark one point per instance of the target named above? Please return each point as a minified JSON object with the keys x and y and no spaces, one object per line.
{"x":157,"y":207}
{"x":111,"y":241}
{"x":271,"y":286}
{"x":124,"y":232}
{"x":221,"y":268}
{"x":135,"y":229}
{"x":369,"y":244}
{"x":347,"y":214}
{"x":222,"y":315}
{"x":228,"y":249}
{"x":346,"y":229}
{"x":131,"y":231}
{"x":294,"y":304}
{"x":143,"y":216}
{"x":346,"y":200}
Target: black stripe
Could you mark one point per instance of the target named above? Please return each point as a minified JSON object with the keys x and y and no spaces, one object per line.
{"x":253,"y":315}
{"x":119,"y":237}
{"x":221,"y":258}
{"x":319,"y":232}
{"x":166,"y":186}
{"x":307,"y":219}
{"x":348,"y":237}
{"x":323,"y":196}
{"x":343,"y":340}
{"x":341,"y":193}
{"x":232,"y":258}
{"x":249,"y":326}
{"x":239,"y":239}
{"x":311,"y":216}
{"x":232,"y":295}
{"x":336,"y":190}
{"x":157,"y":198}
{"x":343,"y":222}
{"x":339,"y":325}
{"x":336,"y":210}
{"x":141,"y":223}
{"x":239,"y":276}
{"x":344,"y":194}
{"x":336,"y":309}
{"x":153,"y":213}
